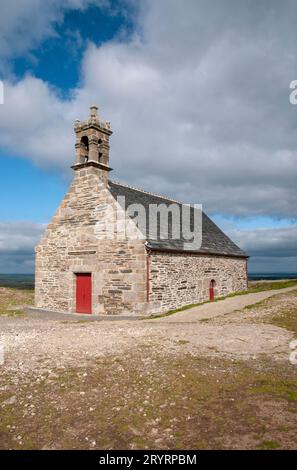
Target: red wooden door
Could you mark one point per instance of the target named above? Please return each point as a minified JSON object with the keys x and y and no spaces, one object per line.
{"x":211,"y":290}
{"x":211,"y":294}
{"x":84,"y":293}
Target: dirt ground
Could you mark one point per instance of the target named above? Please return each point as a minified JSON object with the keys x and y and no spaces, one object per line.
{"x":190,"y":380}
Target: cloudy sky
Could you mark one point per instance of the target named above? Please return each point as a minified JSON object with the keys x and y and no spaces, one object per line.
{"x":197,"y":92}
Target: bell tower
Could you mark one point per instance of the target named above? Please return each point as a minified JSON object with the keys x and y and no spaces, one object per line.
{"x":92,"y":145}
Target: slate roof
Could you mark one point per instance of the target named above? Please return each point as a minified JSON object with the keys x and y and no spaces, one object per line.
{"x":214,"y":241}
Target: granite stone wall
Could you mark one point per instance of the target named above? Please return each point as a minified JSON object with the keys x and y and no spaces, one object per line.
{"x":180,"y":279}
{"x":76,"y":242}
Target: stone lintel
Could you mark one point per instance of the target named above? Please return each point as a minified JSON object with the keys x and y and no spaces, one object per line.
{"x":99,"y":127}
{"x":82,"y":252}
{"x":100,"y":166}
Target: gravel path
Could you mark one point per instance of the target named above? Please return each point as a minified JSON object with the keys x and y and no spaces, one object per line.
{"x":212,"y":377}
{"x":35,"y":343}
{"x":222,"y":307}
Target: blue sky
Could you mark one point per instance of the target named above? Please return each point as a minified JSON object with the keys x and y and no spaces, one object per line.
{"x":29,"y":192}
{"x":199,"y":113}
{"x":57,"y":60}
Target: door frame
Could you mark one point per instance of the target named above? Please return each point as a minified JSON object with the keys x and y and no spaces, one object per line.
{"x":83,"y":274}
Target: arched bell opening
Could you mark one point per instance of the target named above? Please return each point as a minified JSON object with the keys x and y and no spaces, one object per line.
{"x":84,"y":149}
{"x":100,"y":153}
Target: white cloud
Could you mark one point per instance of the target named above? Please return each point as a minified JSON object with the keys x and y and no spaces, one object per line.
{"x":17,"y":242}
{"x":19,"y":237}
{"x":268,"y":242}
{"x":199,"y":104}
{"x":270,"y":249}
{"x":24,"y":24}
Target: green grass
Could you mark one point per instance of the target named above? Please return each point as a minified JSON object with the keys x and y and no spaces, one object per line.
{"x":171,"y":312}
{"x":256,"y":304}
{"x":286,"y":312}
{"x":283,"y":389}
{"x":188,"y":402}
{"x":286,"y":318}
{"x":269,"y":445}
{"x":260,"y":286}
{"x":12,"y":313}
{"x":11,"y":299}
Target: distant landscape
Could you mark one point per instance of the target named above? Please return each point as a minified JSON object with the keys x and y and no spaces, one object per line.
{"x":22,"y":281}
{"x":271,"y":276}
{"x":26,"y":281}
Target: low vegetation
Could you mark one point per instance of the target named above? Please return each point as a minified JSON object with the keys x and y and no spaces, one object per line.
{"x":260,"y":286}
{"x":153,"y":401}
{"x":286,"y":317}
{"x":282,"y":314}
{"x":12,"y":300}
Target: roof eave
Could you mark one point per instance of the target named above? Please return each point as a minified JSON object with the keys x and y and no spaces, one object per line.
{"x":195,"y":252}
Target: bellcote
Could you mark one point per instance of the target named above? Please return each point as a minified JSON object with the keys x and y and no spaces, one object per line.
{"x":92,"y":143}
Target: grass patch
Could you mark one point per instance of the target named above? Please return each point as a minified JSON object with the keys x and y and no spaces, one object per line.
{"x":269,"y":445}
{"x":262,"y":303}
{"x":259,"y":286}
{"x":286,"y":318}
{"x":170,"y":403}
{"x":281,"y":389}
{"x":12,"y":313}
{"x":278,"y":310}
{"x":176,"y":310}
{"x":14,"y":297}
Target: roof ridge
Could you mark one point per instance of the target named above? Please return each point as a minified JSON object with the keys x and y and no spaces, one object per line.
{"x":147,"y":192}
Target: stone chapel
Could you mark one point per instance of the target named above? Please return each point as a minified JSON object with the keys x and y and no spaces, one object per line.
{"x":81,"y":268}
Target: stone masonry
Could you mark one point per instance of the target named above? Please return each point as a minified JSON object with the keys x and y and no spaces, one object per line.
{"x":74,"y":243}
{"x":128,"y":276}
{"x":183,"y":279}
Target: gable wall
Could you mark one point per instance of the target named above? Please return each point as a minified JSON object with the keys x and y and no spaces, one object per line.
{"x":74,"y":242}
{"x":182,"y":279}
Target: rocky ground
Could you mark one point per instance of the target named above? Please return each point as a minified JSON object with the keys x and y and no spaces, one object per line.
{"x":189,"y":380}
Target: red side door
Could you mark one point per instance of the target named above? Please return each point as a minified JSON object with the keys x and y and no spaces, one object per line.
{"x":84,"y":293}
{"x":211,"y":290}
{"x":211,"y":294}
